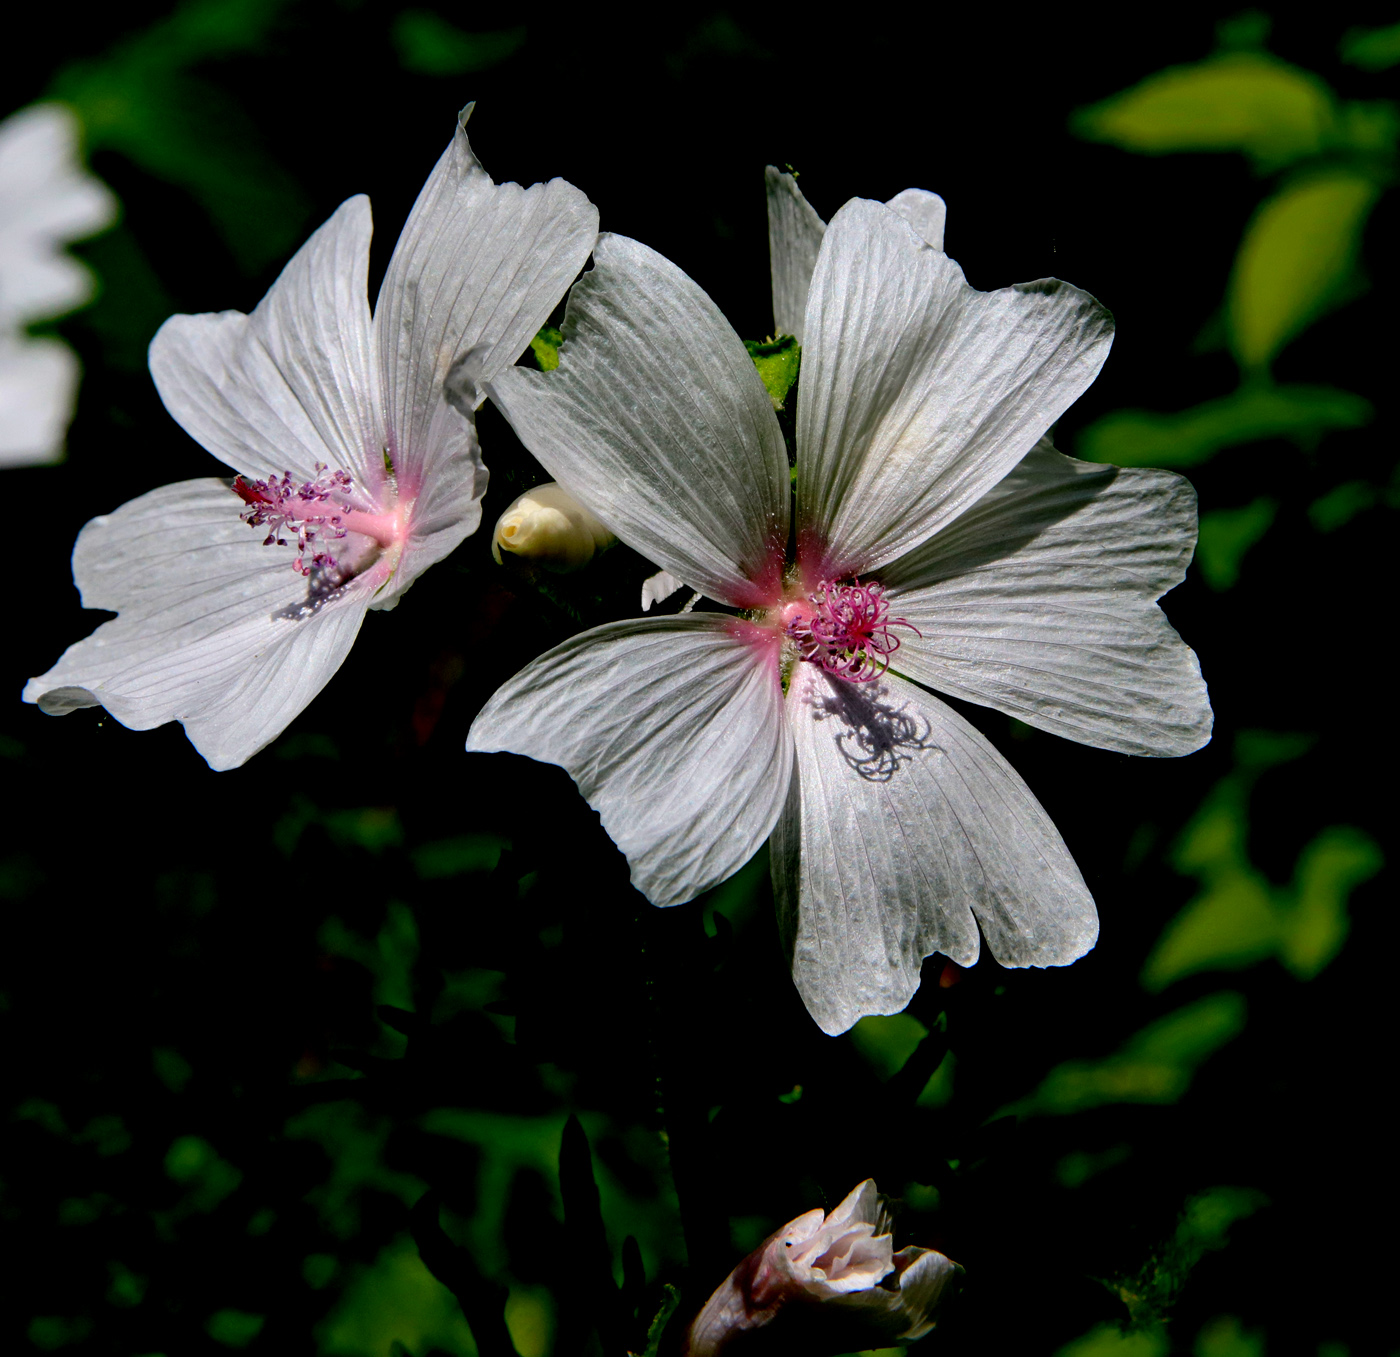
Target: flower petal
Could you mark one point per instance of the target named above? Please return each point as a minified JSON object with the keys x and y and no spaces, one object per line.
{"x":672,"y":727}
{"x":38,"y":389}
{"x":919,"y":393}
{"x":794,"y":240}
{"x":1041,"y":601}
{"x":901,"y":824}
{"x":203,"y":636}
{"x":656,"y":420}
{"x":292,"y":384}
{"x":477,"y":270}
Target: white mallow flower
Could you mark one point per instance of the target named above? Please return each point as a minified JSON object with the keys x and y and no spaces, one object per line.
{"x":46,"y":200}
{"x":355,"y":443}
{"x":549,"y":527}
{"x":935,"y":539}
{"x":825,"y":1284}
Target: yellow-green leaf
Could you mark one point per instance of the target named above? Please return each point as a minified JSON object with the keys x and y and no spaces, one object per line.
{"x":1298,"y":258}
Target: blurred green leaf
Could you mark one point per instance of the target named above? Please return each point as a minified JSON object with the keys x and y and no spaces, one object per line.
{"x":1372,"y":49}
{"x":458,"y":857}
{"x":529,"y":1316}
{"x":1341,"y":504}
{"x":48,"y":1333}
{"x":1226,"y":535}
{"x":1298,"y":258}
{"x":428,"y":44}
{"x":886,"y":1043}
{"x":389,"y":958}
{"x":1108,"y":1340}
{"x":234,"y":1328}
{"x":1224,"y":1336}
{"x":1258,"y":410}
{"x":205,"y":1175}
{"x":778,"y":362}
{"x":1237,"y":101}
{"x":1155,"y":1065}
{"x":141,"y":100}
{"x":1314,"y":922}
{"x":394,"y":1299}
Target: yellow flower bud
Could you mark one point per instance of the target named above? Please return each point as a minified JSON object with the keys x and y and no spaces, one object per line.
{"x":549,"y":527}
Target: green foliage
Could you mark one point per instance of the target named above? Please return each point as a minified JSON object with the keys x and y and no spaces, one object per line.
{"x":460,"y":856}
{"x":1372,"y":49}
{"x":141,"y":99}
{"x":48,"y":1333}
{"x":1155,"y":1065}
{"x":1248,"y":102}
{"x":1226,"y":535}
{"x":234,"y":1328}
{"x":545,"y":347}
{"x":1203,"y":1228}
{"x":778,"y":362}
{"x":1257,"y":411}
{"x":1107,"y":1340}
{"x":206,"y":1176}
{"x":1225,"y":1336}
{"x":1298,"y":258}
{"x":1239,"y":917}
{"x":395,"y":1299}
{"x":428,"y":45}
{"x":886,"y":1043}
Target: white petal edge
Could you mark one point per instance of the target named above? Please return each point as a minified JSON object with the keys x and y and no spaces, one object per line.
{"x":902,"y":823}
{"x":197,"y":639}
{"x":38,"y":390}
{"x":476,"y":272}
{"x":293,"y":383}
{"x":1041,"y":601}
{"x":657,"y":422}
{"x":919,"y":393}
{"x":673,"y":729}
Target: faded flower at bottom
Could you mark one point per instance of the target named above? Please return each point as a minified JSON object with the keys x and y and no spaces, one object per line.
{"x":825,"y":1284}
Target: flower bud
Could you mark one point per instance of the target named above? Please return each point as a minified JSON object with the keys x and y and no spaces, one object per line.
{"x":549,"y":527}
{"x":823,"y":1285}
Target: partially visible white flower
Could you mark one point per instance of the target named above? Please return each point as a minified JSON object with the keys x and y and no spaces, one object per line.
{"x":47,"y":199}
{"x":548,"y":526}
{"x":825,"y":1284}
{"x":355,"y":443}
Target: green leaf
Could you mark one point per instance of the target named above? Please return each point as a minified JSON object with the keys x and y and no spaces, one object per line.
{"x":778,"y":362}
{"x":1298,"y":259}
{"x":545,"y":347}
{"x":1372,"y":49}
{"x":886,"y":1043}
{"x":458,"y":857}
{"x":1155,"y":1065}
{"x":1226,"y":535}
{"x":1224,"y":1336}
{"x":234,"y":1328}
{"x":1341,"y":504}
{"x":428,"y":44}
{"x":1255,"y":412}
{"x":1108,"y":1340}
{"x":1238,"y":101}
{"x":1314,"y":922}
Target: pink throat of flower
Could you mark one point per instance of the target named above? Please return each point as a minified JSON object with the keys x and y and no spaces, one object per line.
{"x":845,"y":629}
{"x":309,"y":514}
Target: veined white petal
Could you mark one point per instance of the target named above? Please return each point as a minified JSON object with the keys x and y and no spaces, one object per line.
{"x":1041,"y":601}
{"x":292,"y":384}
{"x":476,"y":272}
{"x":38,"y":386}
{"x":794,"y":240}
{"x":901,"y":817}
{"x":203,"y":634}
{"x":924,"y":211}
{"x":919,"y":393}
{"x":46,"y":200}
{"x":672,"y":727}
{"x":656,"y":420}
{"x":658,"y":588}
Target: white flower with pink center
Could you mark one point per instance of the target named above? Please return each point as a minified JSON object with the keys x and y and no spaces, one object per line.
{"x":825,"y":1284}
{"x":935,"y":538}
{"x":355,"y":445}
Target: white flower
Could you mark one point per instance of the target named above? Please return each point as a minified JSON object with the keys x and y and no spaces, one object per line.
{"x":549,"y":526}
{"x":46,"y":200}
{"x":934,"y":532}
{"x":355,"y":444}
{"x":825,"y":1284}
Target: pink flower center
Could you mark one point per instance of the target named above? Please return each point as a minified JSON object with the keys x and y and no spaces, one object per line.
{"x":845,"y":628}
{"x":312,"y":514}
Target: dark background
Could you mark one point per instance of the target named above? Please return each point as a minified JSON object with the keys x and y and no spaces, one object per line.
{"x":214,"y":1137}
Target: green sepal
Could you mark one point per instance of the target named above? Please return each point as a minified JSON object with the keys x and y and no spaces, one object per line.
{"x":777,"y":361}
